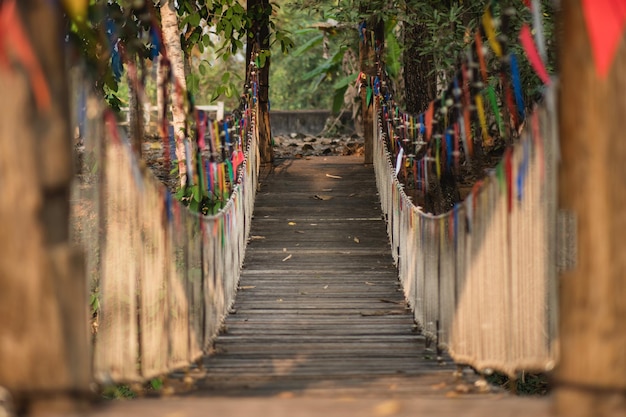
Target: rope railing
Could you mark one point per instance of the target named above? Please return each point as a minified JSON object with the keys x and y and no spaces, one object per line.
{"x":162,"y":277}
{"x":481,"y":278}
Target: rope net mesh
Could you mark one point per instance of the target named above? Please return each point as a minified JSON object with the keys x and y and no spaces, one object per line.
{"x":163,"y":277}
{"x":481,"y":278}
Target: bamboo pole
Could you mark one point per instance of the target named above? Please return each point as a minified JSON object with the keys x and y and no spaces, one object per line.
{"x":44,"y":360}
{"x":591,"y":376}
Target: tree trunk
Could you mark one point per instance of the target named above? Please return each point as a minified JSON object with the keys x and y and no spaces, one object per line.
{"x":260,"y":11}
{"x":591,"y":376}
{"x":171,"y":40}
{"x":420,"y":87}
{"x":43,"y":305}
{"x":136,"y":124}
{"x":367,"y":66}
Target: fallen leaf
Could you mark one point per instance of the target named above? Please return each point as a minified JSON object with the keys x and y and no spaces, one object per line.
{"x":257,"y":237}
{"x":247,"y":287}
{"x":291,"y":223}
{"x":387,"y":408}
{"x":333,"y":176}
{"x":323,"y":197}
{"x":382,"y":300}
{"x":357,"y":240}
{"x":325,"y":287}
{"x":287,"y":258}
{"x":381,"y":313}
{"x":327,"y":190}
{"x":439,"y":386}
{"x":462,"y":388}
{"x":300,"y":231}
{"x":369,"y":283}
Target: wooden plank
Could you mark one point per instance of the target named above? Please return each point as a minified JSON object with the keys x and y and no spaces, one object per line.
{"x":317,"y":306}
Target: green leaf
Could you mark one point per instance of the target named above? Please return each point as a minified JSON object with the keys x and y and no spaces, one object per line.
{"x":308,"y":45}
{"x":194,"y":19}
{"x":156,"y":384}
{"x":338,"y":99}
{"x":393,"y":51}
{"x":345,"y":81}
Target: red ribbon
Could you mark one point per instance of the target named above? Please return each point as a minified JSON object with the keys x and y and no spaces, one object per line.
{"x":526,"y":38}
{"x":605,"y":21}
{"x":508,"y":171}
{"x":14,"y":37}
{"x":429,"y":120}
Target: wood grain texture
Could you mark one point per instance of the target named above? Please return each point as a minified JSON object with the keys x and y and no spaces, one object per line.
{"x":592,"y":367}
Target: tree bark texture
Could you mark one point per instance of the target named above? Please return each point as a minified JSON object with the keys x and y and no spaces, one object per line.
{"x":420,"y":86}
{"x":420,"y":89}
{"x":136,"y":123}
{"x":171,"y":40}
{"x":591,"y":375}
{"x":368,"y":67}
{"x":44,"y":355}
{"x":260,"y":10}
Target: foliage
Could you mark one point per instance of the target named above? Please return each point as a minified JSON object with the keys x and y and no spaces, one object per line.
{"x":447,"y":32}
{"x":528,"y":384}
{"x":219,"y":30}
{"x":118,"y":392}
{"x":198,"y":199}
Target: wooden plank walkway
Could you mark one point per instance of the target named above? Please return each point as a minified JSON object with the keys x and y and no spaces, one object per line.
{"x":320,"y":310}
{"x":320,"y":324}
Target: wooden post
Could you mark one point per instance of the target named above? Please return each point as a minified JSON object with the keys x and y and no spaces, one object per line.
{"x":44,"y":359}
{"x":591,"y":375}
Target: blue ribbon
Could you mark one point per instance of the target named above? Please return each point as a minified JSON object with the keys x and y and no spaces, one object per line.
{"x":523,"y":170}
{"x":449,"y":149}
{"x":172,"y":143}
{"x":168,"y":206}
{"x":155,"y":47}
{"x":517,"y":86}
{"x":116,"y":60}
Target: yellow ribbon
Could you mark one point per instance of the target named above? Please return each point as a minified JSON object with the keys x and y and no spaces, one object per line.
{"x":481,"y":117}
{"x":491,"y":33}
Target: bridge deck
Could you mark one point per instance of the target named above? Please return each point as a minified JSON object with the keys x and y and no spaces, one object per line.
{"x":320,"y":314}
{"x":320,"y":310}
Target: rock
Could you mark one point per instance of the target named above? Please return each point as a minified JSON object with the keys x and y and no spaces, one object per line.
{"x":307,"y":147}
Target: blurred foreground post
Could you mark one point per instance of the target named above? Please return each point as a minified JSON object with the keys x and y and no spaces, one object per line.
{"x":44,"y":360}
{"x":591,"y":376}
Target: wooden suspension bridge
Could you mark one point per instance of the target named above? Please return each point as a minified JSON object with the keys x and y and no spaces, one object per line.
{"x":320,"y":323}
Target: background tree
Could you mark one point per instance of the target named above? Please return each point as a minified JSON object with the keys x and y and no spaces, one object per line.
{"x":173,"y":47}
{"x":259,"y":12}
